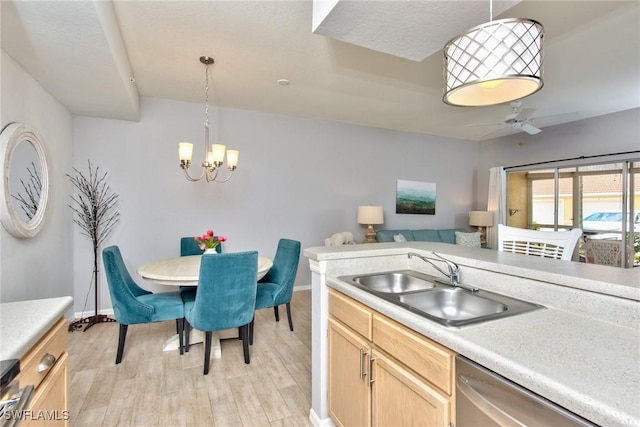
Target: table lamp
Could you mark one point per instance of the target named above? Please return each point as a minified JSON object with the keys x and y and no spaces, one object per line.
{"x":481,"y":219}
{"x":370,"y":215}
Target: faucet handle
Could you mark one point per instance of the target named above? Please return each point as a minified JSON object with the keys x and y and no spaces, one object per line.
{"x":454,"y":269}
{"x":452,"y":265}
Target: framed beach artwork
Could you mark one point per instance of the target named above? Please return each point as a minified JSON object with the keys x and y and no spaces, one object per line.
{"x":415,"y":197}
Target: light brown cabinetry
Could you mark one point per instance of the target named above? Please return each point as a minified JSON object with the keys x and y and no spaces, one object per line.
{"x":45,"y":367}
{"x":382,"y":373}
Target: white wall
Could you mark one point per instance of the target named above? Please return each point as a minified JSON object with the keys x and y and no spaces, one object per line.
{"x":612,"y":133}
{"x":40,"y":267}
{"x":297,"y":178}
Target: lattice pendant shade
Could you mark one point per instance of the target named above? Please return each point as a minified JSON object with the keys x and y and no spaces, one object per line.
{"x":493,"y":63}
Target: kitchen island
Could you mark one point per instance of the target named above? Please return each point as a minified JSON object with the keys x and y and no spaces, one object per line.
{"x":582,"y":351}
{"x":35,"y":333}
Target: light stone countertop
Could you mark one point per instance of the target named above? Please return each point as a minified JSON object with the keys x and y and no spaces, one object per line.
{"x":622,"y":282}
{"x":23,"y":323}
{"x":584,"y":363}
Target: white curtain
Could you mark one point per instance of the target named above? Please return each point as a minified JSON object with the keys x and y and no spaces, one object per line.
{"x":497,"y":203}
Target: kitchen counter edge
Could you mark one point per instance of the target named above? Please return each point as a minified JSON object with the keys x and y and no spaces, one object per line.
{"x":23,"y":323}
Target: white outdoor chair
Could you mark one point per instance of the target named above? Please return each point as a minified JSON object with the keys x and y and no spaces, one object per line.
{"x":547,"y":244}
{"x":606,"y":252}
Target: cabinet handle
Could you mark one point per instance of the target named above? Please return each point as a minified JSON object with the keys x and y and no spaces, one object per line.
{"x":363,"y":373}
{"x":371,"y":360}
{"x":46,"y":362}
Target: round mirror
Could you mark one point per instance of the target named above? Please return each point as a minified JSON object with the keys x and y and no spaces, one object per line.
{"x":25,"y":183}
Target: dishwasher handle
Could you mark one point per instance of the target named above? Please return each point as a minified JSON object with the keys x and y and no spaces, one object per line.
{"x":469,"y":386}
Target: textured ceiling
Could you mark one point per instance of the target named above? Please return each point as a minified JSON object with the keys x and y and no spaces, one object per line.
{"x":85,"y":53}
{"x":413,"y":31}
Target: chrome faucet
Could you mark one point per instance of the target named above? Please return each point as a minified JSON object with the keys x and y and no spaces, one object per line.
{"x":454,"y":270}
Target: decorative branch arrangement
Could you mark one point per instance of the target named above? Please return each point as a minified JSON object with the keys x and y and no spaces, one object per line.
{"x":94,"y":210}
{"x":29,"y":198}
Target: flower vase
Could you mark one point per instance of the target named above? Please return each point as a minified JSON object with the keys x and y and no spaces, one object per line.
{"x":209,"y":251}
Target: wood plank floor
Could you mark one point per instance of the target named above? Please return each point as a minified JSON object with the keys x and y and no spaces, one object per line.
{"x":155,"y":388}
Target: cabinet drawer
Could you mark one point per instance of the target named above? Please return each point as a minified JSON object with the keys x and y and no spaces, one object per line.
{"x":54,"y":343}
{"x":427,"y":358}
{"x":351,"y":313}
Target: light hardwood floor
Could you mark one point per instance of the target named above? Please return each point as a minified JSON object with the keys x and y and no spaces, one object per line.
{"x":155,"y":388}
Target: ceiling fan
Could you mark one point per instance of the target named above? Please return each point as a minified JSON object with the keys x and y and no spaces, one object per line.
{"x":518,"y":119}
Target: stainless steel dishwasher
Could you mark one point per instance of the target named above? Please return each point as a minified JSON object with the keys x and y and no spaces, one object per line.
{"x":486,"y":399}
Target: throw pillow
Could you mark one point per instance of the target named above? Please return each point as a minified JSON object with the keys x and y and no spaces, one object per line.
{"x":468,"y":239}
{"x":399,"y":238}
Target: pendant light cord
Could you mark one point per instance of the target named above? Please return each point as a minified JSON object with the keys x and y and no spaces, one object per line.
{"x":490,"y":10}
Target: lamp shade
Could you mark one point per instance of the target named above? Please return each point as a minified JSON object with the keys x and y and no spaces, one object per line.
{"x":496,"y":62}
{"x":185,"y":151}
{"x":481,"y":219}
{"x":370,"y":215}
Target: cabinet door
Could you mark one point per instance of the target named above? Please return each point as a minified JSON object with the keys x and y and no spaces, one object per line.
{"x":349,"y":392}
{"x":401,"y":398}
{"x":49,"y":405}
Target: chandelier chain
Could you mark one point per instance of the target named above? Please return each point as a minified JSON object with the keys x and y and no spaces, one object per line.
{"x":206,"y":96}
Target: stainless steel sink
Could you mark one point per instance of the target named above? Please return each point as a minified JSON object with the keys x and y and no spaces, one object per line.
{"x":452,"y":304}
{"x":394,"y":282}
{"x":439,"y":301}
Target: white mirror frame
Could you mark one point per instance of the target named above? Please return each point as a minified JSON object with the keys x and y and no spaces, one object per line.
{"x":12,"y":135}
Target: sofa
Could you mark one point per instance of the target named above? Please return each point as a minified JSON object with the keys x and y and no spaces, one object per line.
{"x":423,"y":235}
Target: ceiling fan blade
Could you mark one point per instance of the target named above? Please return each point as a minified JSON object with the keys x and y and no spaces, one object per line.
{"x":524,"y":114}
{"x":526,"y":127}
{"x":555,"y":119}
{"x":486,"y":124}
{"x":493,"y":132}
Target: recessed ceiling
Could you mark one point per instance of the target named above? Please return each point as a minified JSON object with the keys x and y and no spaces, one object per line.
{"x":86,"y":54}
{"x":415,"y":30}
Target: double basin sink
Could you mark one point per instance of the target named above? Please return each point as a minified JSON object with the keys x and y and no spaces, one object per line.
{"x":438,"y":300}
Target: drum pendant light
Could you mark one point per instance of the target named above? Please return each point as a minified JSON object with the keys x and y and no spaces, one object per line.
{"x":496,"y":62}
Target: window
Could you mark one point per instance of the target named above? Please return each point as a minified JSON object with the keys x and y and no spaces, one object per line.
{"x":602,"y":199}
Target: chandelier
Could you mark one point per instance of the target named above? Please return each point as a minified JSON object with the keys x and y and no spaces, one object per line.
{"x":496,"y":62}
{"x":214,"y":155}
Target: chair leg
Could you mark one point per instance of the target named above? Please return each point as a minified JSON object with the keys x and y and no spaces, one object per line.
{"x":121,"y":338}
{"x":207,"y":351}
{"x":275,"y":310}
{"x":187,"y":334}
{"x":177,"y":327}
{"x":181,"y":334}
{"x":245,"y":342}
{"x":251,"y":330}
{"x":289,"y":316}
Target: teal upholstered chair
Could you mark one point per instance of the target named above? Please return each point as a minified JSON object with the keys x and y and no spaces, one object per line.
{"x":276,"y":287}
{"x":134,"y":305}
{"x":188,"y":246}
{"x":226,"y":298}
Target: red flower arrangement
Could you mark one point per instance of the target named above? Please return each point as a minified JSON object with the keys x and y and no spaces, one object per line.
{"x":207,"y":241}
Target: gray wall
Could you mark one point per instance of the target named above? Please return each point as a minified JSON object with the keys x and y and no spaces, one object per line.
{"x":40,"y":267}
{"x":297,"y":178}
{"x":613,"y":133}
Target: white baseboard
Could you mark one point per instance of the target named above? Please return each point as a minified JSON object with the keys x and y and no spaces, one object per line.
{"x":83,"y":314}
{"x":317,"y":422}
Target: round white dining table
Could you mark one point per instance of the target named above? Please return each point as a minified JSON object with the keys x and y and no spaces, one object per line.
{"x":184,"y":271}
